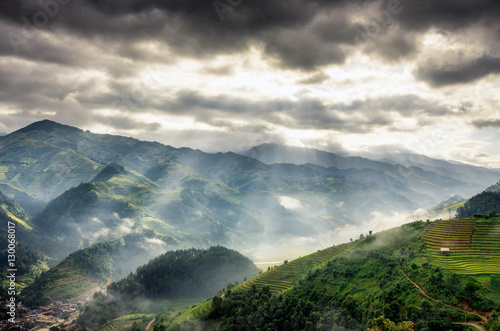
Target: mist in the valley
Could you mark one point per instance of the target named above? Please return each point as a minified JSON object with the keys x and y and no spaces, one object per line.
{"x":270,"y":213}
{"x":274,"y":250}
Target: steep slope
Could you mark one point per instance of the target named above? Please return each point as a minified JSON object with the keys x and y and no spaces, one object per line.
{"x":105,"y":209}
{"x":448,"y":207}
{"x":29,"y":261}
{"x":39,"y":167}
{"x":31,"y":205}
{"x":97,"y":183}
{"x":88,"y":270}
{"x":182,"y":273}
{"x":473,"y":245}
{"x":493,"y":188}
{"x":481,"y":204}
{"x":11,"y":211}
{"x":394,"y":273}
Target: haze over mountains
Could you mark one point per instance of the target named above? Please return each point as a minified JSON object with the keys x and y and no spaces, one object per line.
{"x":423,"y":180}
{"x":78,"y":188}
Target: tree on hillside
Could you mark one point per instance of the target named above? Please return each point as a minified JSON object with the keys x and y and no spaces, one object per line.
{"x":482,"y":203}
{"x":384,"y":324}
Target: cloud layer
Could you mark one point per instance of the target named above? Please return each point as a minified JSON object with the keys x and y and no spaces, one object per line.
{"x":232,"y":74}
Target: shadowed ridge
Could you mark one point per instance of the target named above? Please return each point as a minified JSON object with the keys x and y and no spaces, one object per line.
{"x":46,"y":125}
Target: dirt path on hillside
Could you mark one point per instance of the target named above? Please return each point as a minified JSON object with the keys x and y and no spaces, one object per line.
{"x":477,"y":326}
{"x":151,"y":323}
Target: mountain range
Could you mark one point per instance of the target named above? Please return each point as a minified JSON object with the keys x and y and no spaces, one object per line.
{"x":77,"y":188}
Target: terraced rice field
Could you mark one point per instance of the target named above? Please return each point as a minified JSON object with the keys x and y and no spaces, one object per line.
{"x":282,"y":278}
{"x":279,"y":279}
{"x":191,"y":315}
{"x":117,"y":325}
{"x":474,"y":246}
{"x":123,"y":322}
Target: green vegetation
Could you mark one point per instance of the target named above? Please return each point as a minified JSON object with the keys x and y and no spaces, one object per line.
{"x":449,"y":207}
{"x":29,"y":204}
{"x":3,"y":170}
{"x":283,"y":277}
{"x":13,"y":212}
{"x":67,"y":189}
{"x":92,"y":268}
{"x":203,"y":272}
{"x":130,"y":322}
{"x":473,"y":245}
{"x":389,"y":274}
{"x":482,"y":203}
{"x":29,"y":261}
{"x":175,"y":274}
{"x":494,"y":188}
{"x":81,"y":272}
{"x":196,"y":199}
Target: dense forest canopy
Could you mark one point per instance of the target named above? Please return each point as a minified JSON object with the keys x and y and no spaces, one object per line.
{"x":481,"y":203}
{"x":175,"y":274}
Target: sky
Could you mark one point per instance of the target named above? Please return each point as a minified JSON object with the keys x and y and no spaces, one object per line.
{"x":363,"y":77}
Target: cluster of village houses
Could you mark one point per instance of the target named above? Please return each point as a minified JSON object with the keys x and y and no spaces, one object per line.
{"x":44,"y":317}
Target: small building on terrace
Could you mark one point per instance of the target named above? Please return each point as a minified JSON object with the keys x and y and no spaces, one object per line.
{"x":445,"y":251}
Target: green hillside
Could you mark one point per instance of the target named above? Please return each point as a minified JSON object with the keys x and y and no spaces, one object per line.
{"x":80,"y":274}
{"x":494,"y":188}
{"x":46,"y":170}
{"x":91,"y":182}
{"x":398,"y":273}
{"x":28,"y":203}
{"x":91,"y":269}
{"x":282,"y":278}
{"x":122,"y":323}
{"x":277,"y":279}
{"x":195,"y":198}
{"x":474,"y":245}
{"x":30,"y":262}
{"x":448,"y":208}
{"x":180,"y":274}
{"x":105,"y":209}
{"x":480,"y":204}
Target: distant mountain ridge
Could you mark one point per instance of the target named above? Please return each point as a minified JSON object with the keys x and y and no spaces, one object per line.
{"x":79,"y":188}
{"x":417,"y":177}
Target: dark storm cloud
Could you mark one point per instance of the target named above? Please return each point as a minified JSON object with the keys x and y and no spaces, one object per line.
{"x":223,"y":110}
{"x":290,"y":31}
{"x":439,"y":76}
{"x":481,"y":124}
{"x":27,"y":87}
{"x":406,"y":105}
{"x":124,"y":123}
{"x":394,"y":47}
{"x":190,"y":28}
{"x":316,"y":78}
{"x":448,"y":15}
{"x":301,"y":51}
